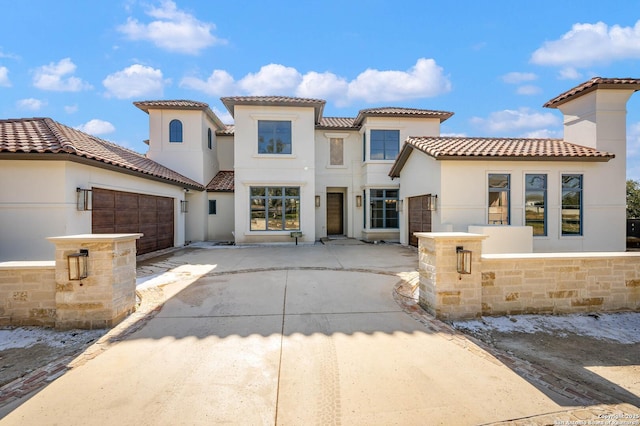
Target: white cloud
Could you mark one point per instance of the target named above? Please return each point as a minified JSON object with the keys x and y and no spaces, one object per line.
{"x":219,"y":83}
{"x":172,"y":29}
{"x":272,"y":79}
{"x":509,"y":121}
{"x":134,"y":82}
{"x":528,"y":89}
{"x":518,"y":77}
{"x":322,"y":86}
{"x":425,"y":79}
{"x":4,"y":77}
{"x":569,"y":73}
{"x":71,"y":109}
{"x":588,"y":44}
{"x":59,"y":77}
{"x":31,"y":104}
{"x":96,"y":127}
{"x":543,"y":134}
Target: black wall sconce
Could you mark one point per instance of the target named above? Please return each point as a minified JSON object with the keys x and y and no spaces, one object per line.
{"x":184,"y":206}
{"x":358,"y":200}
{"x":83,"y":199}
{"x":433,"y":202}
{"x":317,"y":201}
{"x":463,"y":260}
{"x":78,"y":265}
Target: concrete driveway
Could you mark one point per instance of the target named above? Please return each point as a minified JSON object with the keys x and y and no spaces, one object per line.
{"x":285,"y":335}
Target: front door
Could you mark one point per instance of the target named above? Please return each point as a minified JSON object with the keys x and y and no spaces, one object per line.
{"x":335,"y":213}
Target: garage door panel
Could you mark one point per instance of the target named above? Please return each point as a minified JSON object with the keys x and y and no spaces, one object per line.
{"x":419,"y":217}
{"x":123,"y":212}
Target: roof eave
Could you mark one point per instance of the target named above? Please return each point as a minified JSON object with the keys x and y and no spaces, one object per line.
{"x":583,"y":159}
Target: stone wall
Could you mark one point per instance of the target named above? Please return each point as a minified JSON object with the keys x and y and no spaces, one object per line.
{"x":527,"y":283}
{"x":41,"y":293}
{"x":560,"y":283}
{"x":27,"y":293}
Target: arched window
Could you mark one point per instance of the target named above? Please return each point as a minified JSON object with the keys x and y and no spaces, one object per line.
{"x":175,"y":131}
{"x":209,"y":139}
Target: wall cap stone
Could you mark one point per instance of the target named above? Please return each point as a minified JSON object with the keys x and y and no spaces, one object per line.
{"x":572,"y":255}
{"x":28,"y":264}
{"x":450,"y":235}
{"x":94,"y":238}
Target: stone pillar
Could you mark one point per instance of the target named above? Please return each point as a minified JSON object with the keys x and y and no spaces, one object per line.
{"x":443,"y":292}
{"x":107,"y":295}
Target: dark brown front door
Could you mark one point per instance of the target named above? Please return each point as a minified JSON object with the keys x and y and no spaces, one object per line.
{"x":116,"y":212}
{"x":419,"y":217}
{"x":335,"y":203}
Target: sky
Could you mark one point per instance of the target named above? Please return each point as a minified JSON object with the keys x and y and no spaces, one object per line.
{"x":493,"y":63}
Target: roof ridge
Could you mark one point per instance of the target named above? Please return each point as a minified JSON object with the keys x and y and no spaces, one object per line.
{"x":65,"y":144}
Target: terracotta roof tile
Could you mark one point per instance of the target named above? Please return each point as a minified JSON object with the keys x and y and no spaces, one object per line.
{"x":337,"y":123}
{"x":594,"y":83}
{"x":180,"y":104}
{"x":229,"y":130}
{"x":401,"y":112}
{"x":45,"y":136}
{"x":503,"y":148}
{"x":231,"y":101}
{"x":222,"y":182}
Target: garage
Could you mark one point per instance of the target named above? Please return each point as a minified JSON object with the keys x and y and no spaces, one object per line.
{"x":127,"y":212}
{"x":419,"y":216}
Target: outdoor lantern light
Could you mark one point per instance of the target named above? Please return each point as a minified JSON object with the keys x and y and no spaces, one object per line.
{"x":78,"y":265}
{"x":463,"y":263}
{"x":433,"y":202}
{"x":317,"y":201}
{"x":184,"y":206}
{"x":358,"y":200}
{"x":83,"y":199}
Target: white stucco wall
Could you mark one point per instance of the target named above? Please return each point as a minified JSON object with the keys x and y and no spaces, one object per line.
{"x":41,"y":203}
{"x":221,"y":224}
{"x":224,"y":147}
{"x":253,"y":169}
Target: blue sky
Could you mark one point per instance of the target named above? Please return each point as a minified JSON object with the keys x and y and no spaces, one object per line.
{"x":491,"y":63}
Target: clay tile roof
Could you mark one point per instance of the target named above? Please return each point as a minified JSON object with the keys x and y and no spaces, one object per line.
{"x":229,"y":130}
{"x":457,"y":148}
{"x":231,"y":101}
{"x":46,"y":136}
{"x":401,"y":112}
{"x":591,"y":85}
{"x":336,"y":123}
{"x":222,"y":182}
{"x":180,"y":104}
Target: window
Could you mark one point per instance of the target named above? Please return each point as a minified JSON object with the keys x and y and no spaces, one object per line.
{"x":275,"y":208}
{"x":384,"y":212}
{"x":212,"y":207}
{"x":209,"y":138}
{"x":498,"y":199}
{"x":336,"y":152}
{"x":571,"y":204}
{"x":535,"y":203}
{"x":175,"y":131}
{"x":364,"y":147}
{"x":274,"y":137}
{"x":385,"y":144}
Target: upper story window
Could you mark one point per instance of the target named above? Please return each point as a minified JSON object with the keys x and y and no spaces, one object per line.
{"x":385,"y":144}
{"x":274,"y":137}
{"x":175,"y":131}
{"x":535,"y":203}
{"x":209,"y":139}
{"x":571,"y":204}
{"x":336,"y":152}
{"x":499,"y":194}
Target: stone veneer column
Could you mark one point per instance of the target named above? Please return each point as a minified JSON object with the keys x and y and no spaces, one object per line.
{"x":444,"y":292}
{"x":107,"y":295}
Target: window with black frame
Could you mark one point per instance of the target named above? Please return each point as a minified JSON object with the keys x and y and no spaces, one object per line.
{"x":384,"y":208}
{"x":499,"y":196}
{"x":274,"y":137}
{"x":535,"y":203}
{"x":571,"y":205}
{"x":385,"y":144}
{"x":275,"y":208}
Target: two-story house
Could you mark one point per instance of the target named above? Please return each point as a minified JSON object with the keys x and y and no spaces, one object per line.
{"x":283,"y":168}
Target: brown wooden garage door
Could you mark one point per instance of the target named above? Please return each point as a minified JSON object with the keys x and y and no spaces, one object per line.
{"x":127,"y":212}
{"x":419,"y":216}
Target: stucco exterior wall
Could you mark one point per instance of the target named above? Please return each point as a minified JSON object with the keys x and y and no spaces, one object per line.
{"x":224,"y":149}
{"x":221,"y":224}
{"x":294,"y":170}
{"x":48,"y":207}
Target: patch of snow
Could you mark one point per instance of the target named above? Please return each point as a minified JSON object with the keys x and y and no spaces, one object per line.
{"x":25,"y":337}
{"x":619,"y":327}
